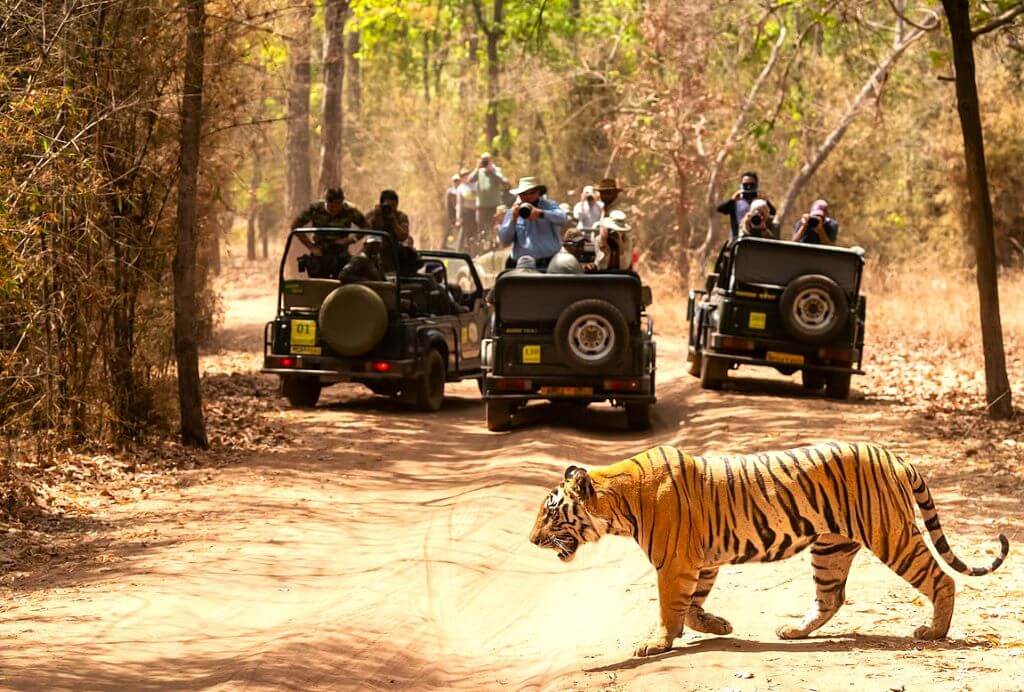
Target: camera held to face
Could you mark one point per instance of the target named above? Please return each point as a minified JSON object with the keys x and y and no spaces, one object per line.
{"x":525,"y":210}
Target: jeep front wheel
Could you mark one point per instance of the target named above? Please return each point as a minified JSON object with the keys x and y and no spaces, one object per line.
{"x":302,"y":391}
{"x":429,"y":386}
{"x":499,"y":414}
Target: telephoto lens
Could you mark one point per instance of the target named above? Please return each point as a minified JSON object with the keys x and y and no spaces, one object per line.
{"x":525,"y":211}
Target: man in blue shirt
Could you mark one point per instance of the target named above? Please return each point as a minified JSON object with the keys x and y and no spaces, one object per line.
{"x":533,"y":226}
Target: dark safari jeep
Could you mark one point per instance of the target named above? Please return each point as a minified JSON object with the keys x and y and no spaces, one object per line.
{"x":790,"y":306}
{"x":404,"y":336}
{"x":578,"y":338}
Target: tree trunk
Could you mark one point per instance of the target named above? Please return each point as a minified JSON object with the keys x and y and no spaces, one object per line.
{"x":186,"y":349}
{"x":997,"y":385}
{"x":872,"y":86}
{"x":335,"y":12}
{"x":494,"y":33}
{"x":353,"y":87}
{"x":297,"y":146}
{"x":254,"y":203}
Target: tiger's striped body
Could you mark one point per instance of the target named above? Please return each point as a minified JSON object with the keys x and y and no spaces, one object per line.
{"x":693,"y":514}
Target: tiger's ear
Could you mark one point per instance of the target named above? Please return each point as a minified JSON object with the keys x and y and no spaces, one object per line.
{"x":580,"y":482}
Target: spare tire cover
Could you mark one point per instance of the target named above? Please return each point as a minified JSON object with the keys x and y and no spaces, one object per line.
{"x":814,"y":309}
{"x":353,"y":319}
{"x":592,"y":336}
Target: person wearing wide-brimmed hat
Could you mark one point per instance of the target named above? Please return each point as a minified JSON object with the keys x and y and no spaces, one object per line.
{"x":615,"y":243}
{"x":609,"y":191}
{"x":533,"y":226}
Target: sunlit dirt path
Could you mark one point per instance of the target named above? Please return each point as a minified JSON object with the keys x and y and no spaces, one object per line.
{"x":388,"y":549}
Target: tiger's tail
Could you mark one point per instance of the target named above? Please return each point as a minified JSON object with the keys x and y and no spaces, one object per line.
{"x":923,"y":497}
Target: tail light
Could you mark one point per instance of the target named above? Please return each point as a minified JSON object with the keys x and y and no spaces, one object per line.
{"x":285,"y":362}
{"x":511,"y":384}
{"x":628,"y":384}
{"x":381,"y":366}
{"x":634,"y":261}
{"x":735,"y":344}
{"x":835,"y":354}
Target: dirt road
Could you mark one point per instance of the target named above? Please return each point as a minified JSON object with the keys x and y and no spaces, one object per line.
{"x":388,"y":549}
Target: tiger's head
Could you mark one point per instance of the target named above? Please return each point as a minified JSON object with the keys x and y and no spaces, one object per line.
{"x":564,"y":521}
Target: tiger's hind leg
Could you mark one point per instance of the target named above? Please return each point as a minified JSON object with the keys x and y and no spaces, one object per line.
{"x":697,"y":618}
{"x":911,"y":559}
{"x":831,"y":557}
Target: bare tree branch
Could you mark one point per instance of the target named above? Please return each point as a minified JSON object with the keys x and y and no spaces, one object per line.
{"x":999,"y":21}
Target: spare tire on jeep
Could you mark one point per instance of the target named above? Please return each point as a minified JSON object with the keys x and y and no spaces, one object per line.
{"x":814,"y":309}
{"x":591,"y":335}
{"x":353,"y":319}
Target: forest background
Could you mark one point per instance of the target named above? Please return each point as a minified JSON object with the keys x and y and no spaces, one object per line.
{"x":851,"y":101}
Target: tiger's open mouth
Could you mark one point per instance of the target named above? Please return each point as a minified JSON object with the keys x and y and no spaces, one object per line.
{"x":565,"y":547}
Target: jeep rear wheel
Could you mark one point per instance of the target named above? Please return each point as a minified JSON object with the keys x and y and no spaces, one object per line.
{"x":638,"y":416}
{"x":837,"y":385}
{"x":499,"y":414}
{"x":302,"y":391}
{"x":429,"y":387}
{"x":713,"y":372}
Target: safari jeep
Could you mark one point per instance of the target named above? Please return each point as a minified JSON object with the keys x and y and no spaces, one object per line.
{"x":579,"y":338}
{"x":790,"y":306}
{"x":403,"y":337}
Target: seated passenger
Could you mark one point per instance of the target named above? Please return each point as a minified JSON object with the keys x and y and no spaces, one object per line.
{"x":567,"y":260}
{"x":366,"y":265}
{"x":447,"y":304}
{"x":615,"y":244}
{"x":757,"y":221}
{"x":816,"y":227}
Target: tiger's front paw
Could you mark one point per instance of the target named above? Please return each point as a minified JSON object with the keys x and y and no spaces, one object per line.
{"x":927,"y":633}
{"x":790,"y":632}
{"x":702,"y":621}
{"x":653,"y":646}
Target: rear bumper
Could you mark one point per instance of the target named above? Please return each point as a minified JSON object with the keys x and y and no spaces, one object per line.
{"x":339,"y":369}
{"x":807,"y":365}
{"x":624,"y":389}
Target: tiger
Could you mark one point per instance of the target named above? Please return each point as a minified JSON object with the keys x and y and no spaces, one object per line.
{"x":693,"y":514}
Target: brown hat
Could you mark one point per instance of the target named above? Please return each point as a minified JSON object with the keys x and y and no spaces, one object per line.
{"x":571,"y":235}
{"x":607,"y":185}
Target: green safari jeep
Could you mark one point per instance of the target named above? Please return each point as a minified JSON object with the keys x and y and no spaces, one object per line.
{"x":401,"y":334}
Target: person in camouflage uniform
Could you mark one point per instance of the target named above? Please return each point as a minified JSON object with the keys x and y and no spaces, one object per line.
{"x":332,"y":212}
{"x":386,"y":217}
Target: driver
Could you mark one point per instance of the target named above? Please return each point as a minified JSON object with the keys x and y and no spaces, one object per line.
{"x":436,"y":271}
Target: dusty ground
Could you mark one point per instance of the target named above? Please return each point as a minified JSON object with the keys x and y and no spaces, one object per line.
{"x":388,"y":549}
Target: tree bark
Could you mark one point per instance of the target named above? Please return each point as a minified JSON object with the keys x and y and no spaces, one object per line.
{"x":186,"y":349}
{"x":982,"y":226}
{"x":872,"y":86}
{"x":297,"y":164}
{"x":492,"y":32}
{"x":254,"y":203}
{"x":353,"y":87}
{"x":335,"y":12}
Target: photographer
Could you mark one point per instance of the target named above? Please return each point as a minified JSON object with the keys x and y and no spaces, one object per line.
{"x":739,"y":205}
{"x":489,"y":184}
{"x":589,"y":210}
{"x":366,"y":265}
{"x":533,"y":226}
{"x":574,"y":255}
{"x":816,"y":227}
{"x":386,"y":217}
{"x":757,"y":223}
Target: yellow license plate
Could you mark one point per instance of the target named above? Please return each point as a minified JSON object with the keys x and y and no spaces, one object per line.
{"x":566,"y":391}
{"x":531,"y":354}
{"x":756,"y":320}
{"x":306,"y":350}
{"x":787,"y":358}
{"x":303,"y":333}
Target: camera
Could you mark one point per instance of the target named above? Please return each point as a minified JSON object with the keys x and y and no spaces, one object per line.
{"x":525,"y":210}
{"x":584,"y":250}
{"x":813,"y":221}
{"x":748,"y":189}
{"x":757,"y":220}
